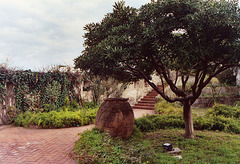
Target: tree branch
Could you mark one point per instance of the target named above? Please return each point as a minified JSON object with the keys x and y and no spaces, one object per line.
{"x":176,"y":78}
{"x":184,"y":82}
{"x":154,"y":86}
{"x":165,"y":72}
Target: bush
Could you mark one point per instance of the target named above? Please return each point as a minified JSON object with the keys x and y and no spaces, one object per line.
{"x":169,"y":121}
{"x":145,"y":124}
{"x":164,"y":107}
{"x":202,"y":123}
{"x":220,"y":123}
{"x":224,"y":110}
{"x":56,"y":119}
{"x":153,"y":122}
{"x":89,"y":105}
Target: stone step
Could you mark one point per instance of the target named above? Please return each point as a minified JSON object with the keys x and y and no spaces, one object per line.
{"x":151,"y":94}
{"x":147,"y":101}
{"x":153,"y":97}
{"x":143,"y":107}
{"x":145,"y":104}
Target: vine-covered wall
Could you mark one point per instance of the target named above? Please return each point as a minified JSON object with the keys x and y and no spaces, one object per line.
{"x":27,"y":90}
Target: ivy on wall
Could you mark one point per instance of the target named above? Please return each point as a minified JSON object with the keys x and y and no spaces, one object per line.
{"x":44,"y":91}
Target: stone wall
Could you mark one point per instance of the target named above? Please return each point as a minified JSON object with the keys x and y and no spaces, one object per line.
{"x":137,"y":90}
{"x":206,"y":102}
{"x":222,"y":91}
{"x":225,"y":95}
{"x":134,"y":91}
{"x":238,"y":77}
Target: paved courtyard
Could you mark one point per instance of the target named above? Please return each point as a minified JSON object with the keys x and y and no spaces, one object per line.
{"x":42,"y":146}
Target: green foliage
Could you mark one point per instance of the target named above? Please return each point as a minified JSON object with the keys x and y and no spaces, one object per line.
{"x":72,"y":106}
{"x":96,"y":147}
{"x":224,"y":110}
{"x":54,"y":119}
{"x":164,"y":107}
{"x":194,"y":38}
{"x":103,"y":86}
{"x":207,"y":147}
{"x":145,"y":124}
{"x":51,"y":96}
{"x":89,"y":105}
{"x":153,"y":122}
{"x":220,"y":123}
{"x":227,"y":77}
{"x":38,"y":90}
{"x":186,"y":36}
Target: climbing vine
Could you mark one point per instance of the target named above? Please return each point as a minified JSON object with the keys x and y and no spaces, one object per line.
{"x":43,"y":91}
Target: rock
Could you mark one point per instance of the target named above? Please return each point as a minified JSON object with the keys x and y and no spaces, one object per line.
{"x":175,"y":151}
{"x":116,"y":117}
{"x":178,"y":156}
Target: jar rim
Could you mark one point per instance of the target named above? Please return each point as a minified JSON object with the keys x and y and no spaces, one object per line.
{"x":116,"y":99}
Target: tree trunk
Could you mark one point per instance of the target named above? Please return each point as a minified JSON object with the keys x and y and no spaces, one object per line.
{"x":187,"y":115}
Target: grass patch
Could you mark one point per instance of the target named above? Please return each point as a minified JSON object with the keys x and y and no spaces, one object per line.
{"x":206,"y":147}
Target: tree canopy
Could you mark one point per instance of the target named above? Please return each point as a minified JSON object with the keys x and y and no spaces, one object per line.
{"x":189,"y":37}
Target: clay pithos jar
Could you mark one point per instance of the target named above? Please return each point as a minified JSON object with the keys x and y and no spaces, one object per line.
{"x":116,"y":117}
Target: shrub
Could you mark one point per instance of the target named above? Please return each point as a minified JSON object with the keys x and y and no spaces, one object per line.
{"x":220,"y":123}
{"x":169,"y":121}
{"x":145,"y":124}
{"x":202,"y":123}
{"x":56,"y":119}
{"x":153,"y":122}
{"x":224,"y":110}
{"x":70,"y":105}
{"x":164,"y":107}
{"x":23,"y":119}
{"x":89,"y":105}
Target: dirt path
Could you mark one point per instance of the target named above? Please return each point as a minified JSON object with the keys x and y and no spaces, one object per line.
{"x":42,"y":146}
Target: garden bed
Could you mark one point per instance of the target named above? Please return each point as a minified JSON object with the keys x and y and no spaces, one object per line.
{"x":54,"y":119}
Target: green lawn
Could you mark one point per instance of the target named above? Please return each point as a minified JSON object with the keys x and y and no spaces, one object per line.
{"x":207,"y":147}
{"x":220,"y":144}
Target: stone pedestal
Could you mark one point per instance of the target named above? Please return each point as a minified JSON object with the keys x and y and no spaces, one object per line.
{"x":116,"y":117}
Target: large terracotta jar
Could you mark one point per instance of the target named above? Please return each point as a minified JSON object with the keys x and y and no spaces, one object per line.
{"x":116,"y":117}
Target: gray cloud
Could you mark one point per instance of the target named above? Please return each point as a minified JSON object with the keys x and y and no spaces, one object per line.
{"x":40,"y":33}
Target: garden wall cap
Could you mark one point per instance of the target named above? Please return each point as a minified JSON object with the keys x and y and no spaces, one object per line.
{"x":116,"y":99}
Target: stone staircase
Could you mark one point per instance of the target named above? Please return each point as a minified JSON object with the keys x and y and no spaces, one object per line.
{"x":147,"y":102}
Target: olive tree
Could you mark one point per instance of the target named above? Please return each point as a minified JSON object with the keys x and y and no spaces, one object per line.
{"x":175,"y":39}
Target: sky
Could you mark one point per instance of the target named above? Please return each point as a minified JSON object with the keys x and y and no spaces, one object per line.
{"x":36,"y":34}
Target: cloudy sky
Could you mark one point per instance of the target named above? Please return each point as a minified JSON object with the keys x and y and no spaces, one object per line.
{"x":40,"y":33}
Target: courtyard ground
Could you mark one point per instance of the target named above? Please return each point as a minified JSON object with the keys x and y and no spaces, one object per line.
{"x":42,"y":146}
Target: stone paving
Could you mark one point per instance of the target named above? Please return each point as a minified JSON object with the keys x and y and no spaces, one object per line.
{"x":42,"y":146}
